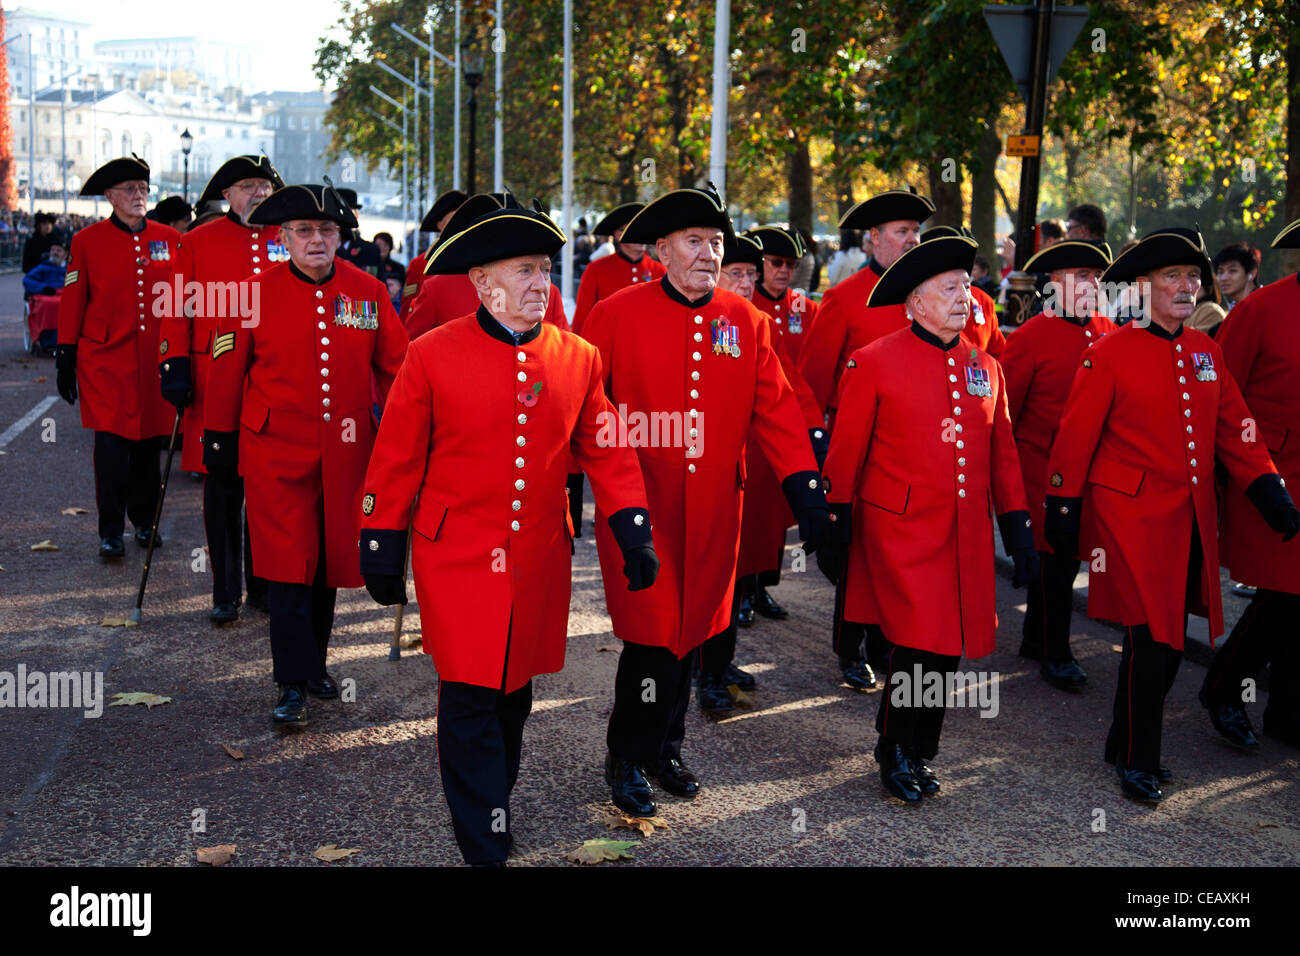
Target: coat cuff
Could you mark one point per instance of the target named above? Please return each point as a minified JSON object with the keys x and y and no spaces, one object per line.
{"x":220,"y":450}
{"x":1062,"y":516}
{"x":803,"y":490}
{"x":65,"y":357}
{"x":631,"y":527}
{"x":1017,"y":532}
{"x":383,"y":552}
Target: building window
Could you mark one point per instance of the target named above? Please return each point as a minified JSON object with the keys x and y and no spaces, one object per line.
{"x":126,"y":144}
{"x":23,"y":145}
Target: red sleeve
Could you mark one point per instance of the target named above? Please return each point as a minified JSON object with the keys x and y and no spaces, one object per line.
{"x":1005,"y":479}
{"x":411,"y":287}
{"x":401,"y":452}
{"x":1239,"y":340}
{"x":390,"y":348}
{"x":854,"y":422}
{"x":1018,"y":368}
{"x":1236,"y":443}
{"x":76,"y":293}
{"x":232,"y":353}
{"x":588,"y":295}
{"x":1091,"y":397}
{"x":778,"y":420}
{"x":812,"y":412}
{"x":555,"y":309}
{"x":820,"y":355}
{"x":612,"y":468}
{"x":599,"y":331}
{"x":177,"y":325}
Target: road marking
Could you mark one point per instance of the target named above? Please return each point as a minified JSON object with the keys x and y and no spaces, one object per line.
{"x":17,"y":428}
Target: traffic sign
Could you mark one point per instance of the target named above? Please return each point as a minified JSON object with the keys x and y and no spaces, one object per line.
{"x":1022,"y":145}
{"x":1013,"y":29}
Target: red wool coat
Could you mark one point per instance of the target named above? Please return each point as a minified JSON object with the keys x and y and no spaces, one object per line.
{"x":607,"y":275}
{"x":297,"y":387}
{"x":414,"y":279}
{"x":1147,"y":415}
{"x":1039,"y":362}
{"x":660,"y":361}
{"x":491,"y":554}
{"x":443,"y":298}
{"x":792,"y":313}
{"x":1262,"y":352}
{"x":221,"y":251}
{"x":113,"y":297}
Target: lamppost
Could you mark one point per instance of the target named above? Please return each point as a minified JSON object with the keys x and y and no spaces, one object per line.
{"x":187,"y":143}
{"x":471,"y":65}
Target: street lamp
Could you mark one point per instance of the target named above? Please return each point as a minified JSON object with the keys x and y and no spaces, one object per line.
{"x":187,"y":143}
{"x":471,"y":66}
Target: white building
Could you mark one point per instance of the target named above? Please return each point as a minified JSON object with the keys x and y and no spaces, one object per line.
{"x":213,"y":64}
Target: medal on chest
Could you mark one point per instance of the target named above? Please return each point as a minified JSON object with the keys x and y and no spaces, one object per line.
{"x":1203,"y":362}
{"x":276,"y":252}
{"x":977,"y":382}
{"x":356,"y":314}
{"x":160,"y":251}
{"x":979,"y":313}
{"x":726,"y":337}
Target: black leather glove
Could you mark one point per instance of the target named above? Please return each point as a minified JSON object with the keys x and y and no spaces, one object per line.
{"x":641,"y":567}
{"x":1018,"y":541}
{"x":177,"y":382}
{"x":1273,"y":502}
{"x":833,"y":555}
{"x":1061,"y":525}
{"x":821,"y":444}
{"x":47,"y":290}
{"x":803,"y":492}
{"x":65,"y":364}
{"x":814,"y":528}
{"x":220,"y":451}
{"x":386,"y":589}
{"x":1026,"y":567}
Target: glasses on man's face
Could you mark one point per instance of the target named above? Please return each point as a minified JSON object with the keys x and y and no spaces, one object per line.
{"x":782,"y":264}
{"x":742,"y":275}
{"x":137,"y":190}
{"x":327,"y":230}
{"x":253,"y":185}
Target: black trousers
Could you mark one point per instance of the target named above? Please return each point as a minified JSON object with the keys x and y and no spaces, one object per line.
{"x":905,"y":717}
{"x":1147,"y":670}
{"x":1268,"y":633}
{"x":852,"y":641}
{"x":127,"y":480}
{"x":575,"y":485}
{"x":720,"y":649}
{"x":651,"y":691}
{"x":225,"y":524}
{"x":480,"y":739}
{"x":1051,"y":606}
{"x":301,"y":620}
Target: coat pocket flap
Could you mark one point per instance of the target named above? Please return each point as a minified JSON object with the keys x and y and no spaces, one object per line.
{"x":1116,"y":476}
{"x":1274,"y":436}
{"x":884,"y":492}
{"x":95,"y":329}
{"x":429,"y":516}
{"x":253,"y":415}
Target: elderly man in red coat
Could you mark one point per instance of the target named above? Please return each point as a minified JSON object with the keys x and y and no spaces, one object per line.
{"x":1039,"y":363}
{"x":1131,"y":477}
{"x":108,"y":343}
{"x":505,"y":397}
{"x":289,"y":405}
{"x":1262,"y":353}
{"x":921,"y":459}
{"x":683,"y":357}
{"x":628,"y":265}
{"x":434,"y":222}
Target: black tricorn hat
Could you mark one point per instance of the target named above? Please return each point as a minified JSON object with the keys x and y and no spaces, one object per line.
{"x":303,"y":201}
{"x":680,"y":209}
{"x":935,"y":232}
{"x":1174,"y":246}
{"x":171,"y":209}
{"x":349,"y":197}
{"x":114,"y":172}
{"x":889,"y":206}
{"x":618,"y":217}
{"x":1289,"y":237}
{"x":479,"y":204}
{"x":499,"y":234}
{"x":448,"y":202}
{"x":777,"y":241}
{"x":238,"y":168}
{"x":1071,"y":254}
{"x":748,"y":248}
{"x":923,"y":261}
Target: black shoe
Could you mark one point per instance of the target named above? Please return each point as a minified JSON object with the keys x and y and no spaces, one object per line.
{"x":227,"y":612}
{"x":629,"y":788}
{"x":1285,"y":729}
{"x":742,"y":679}
{"x":323,"y":689}
{"x":925,"y":777}
{"x":1163,"y":774}
{"x":897,"y":773}
{"x":291,"y":708}
{"x":675,"y":777}
{"x":858,"y":675}
{"x":1231,"y":721}
{"x":1139,"y":785}
{"x":766,"y":606}
{"x":1063,"y":675}
{"x":142,"y":538}
{"x":745,"y":612}
{"x":1031,"y":649}
{"x":1243,"y":590}
{"x":713,"y":695}
{"x":110,"y":549}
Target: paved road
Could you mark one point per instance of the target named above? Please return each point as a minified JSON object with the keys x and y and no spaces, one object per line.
{"x":1024,"y":787}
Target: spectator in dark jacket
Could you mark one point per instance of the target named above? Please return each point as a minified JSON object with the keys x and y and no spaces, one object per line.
{"x":46,"y":278}
{"x":38,"y":244}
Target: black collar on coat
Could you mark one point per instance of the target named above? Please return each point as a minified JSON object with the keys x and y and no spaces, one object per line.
{"x":676,"y":296}
{"x":925,"y":335}
{"x":499,"y":332}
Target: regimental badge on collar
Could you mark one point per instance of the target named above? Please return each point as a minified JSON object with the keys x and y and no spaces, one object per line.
{"x":159,"y":251}
{"x":355,"y":314}
{"x":726,"y":337}
{"x":977,"y":382}
{"x":276,"y":252}
{"x":1203,"y":362}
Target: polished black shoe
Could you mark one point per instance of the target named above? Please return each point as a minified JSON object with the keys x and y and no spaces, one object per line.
{"x":1031,"y":649}
{"x":227,"y":612}
{"x":1231,"y":722}
{"x":629,"y":788}
{"x":766,"y":606}
{"x":142,"y":538}
{"x":1139,"y":785}
{"x":676,"y":778}
{"x":713,"y":695}
{"x":1164,"y":774}
{"x":291,"y":708}
{"x":925,"y":777}
{"x":742,"y":679}
{"x":110,"y":549}
{"x":323,"y":689}
{"x":745,"y":611}
{"x":1063,"y":675}
{"x":897,"y":773}
{"x":858,"y":675}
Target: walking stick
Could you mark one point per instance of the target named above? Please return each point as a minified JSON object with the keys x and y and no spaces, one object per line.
{"x":395,"y":648}
{"x":157,"y":513}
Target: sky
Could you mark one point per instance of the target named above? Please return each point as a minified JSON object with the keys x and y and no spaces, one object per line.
{"x":284,"y":33}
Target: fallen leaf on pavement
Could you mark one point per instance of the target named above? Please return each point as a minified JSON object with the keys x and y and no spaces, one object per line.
{"x":331,"y":852}
{"x":39,"y":380}
{"x":410,"y":640}
{"x":598,"y":851}
{"x":139,"y":697}
{"x":233,"y":753}
{"x":46,"y":545}
{"x":740,"y":697}
{"x":616,"y":819}
{"x":118,"y":622}
{"x":1272,"y":825}
{"x":608,"y":647}
{"x":216,"y":855}
{"x":74,"y":510}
